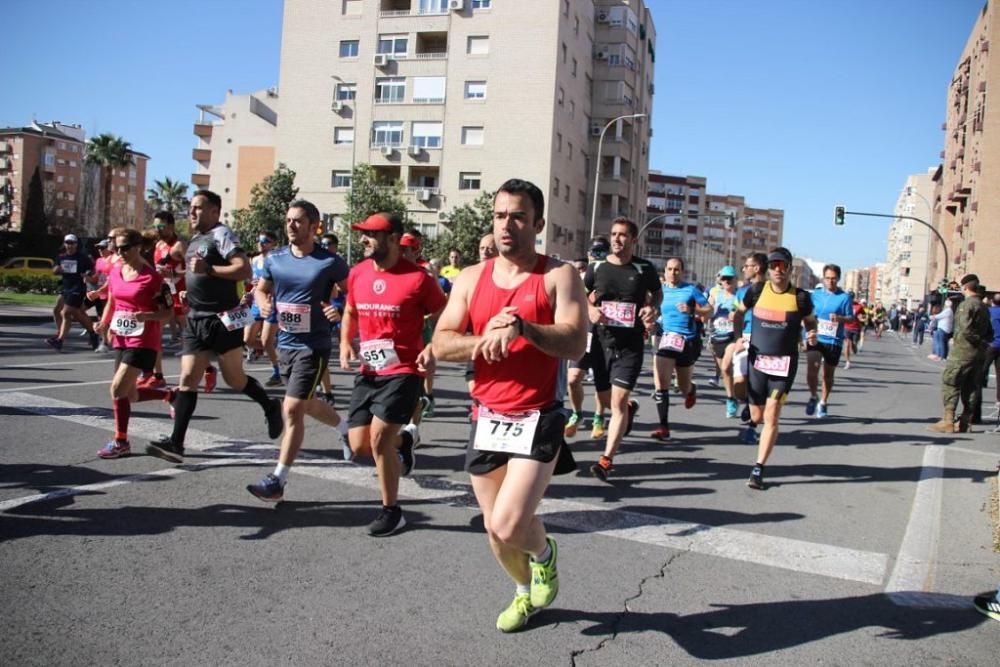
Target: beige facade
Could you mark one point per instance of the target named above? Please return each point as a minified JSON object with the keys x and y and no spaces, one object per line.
{"x":72,"y":190}
{"x":453,"y":97}
{"x":910,"y":244}
{"x":967,"y":203}
{"x":236,"y":146}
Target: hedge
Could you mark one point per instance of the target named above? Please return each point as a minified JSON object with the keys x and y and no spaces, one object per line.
{"x":36,"y":284}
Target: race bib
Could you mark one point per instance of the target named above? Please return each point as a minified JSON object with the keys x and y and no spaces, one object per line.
{"x":378,"y":354}
{"x":827,"y":328}
{"x":723,"y":325}
{"x":124,"y":323}
{"x":294,"y":317}
{"x":590,"y":339}
{"x":773,"y":365}
{"x":619,"y":313}
{"x":673,"y":342}
{"x":237,"y":318}
{"x":510,"y":433}
{"x":68,"y":265}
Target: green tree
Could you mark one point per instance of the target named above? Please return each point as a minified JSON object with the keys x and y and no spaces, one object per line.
{"x":463,"y":227}
{"x":168,"y":195}
{"x":109,"y":153}
{"x":368,"y":194}
{"x":269,"y":202}
{"x":35,"y":224}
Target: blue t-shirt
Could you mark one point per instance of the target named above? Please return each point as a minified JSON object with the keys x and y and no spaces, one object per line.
{"x":674,"y":321}
{"x":301,"y":288}
{"x":828,"y":303}
{"x":748,"y":315}
{"x":995,"y":319}
{"x":725,"y":303}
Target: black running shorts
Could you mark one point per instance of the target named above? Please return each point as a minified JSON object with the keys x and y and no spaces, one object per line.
{"x":302,"y":370}
{"x":686,"y":357}
{"x":142,"y":358}
{"x":548,"y":444}
{"x":391,"y":398}
{"x":209,"y":334}
{"x":830,"y":351}
{"x":761,"y":386}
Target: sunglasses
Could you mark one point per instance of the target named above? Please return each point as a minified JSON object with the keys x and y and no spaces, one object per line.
{"x":779,"y":264}
{"x":70,"y":242}
{"x":325,"y":244}
{"x":123,"y":248}
{"x":726,"y":279}
{"x":263,"y":240}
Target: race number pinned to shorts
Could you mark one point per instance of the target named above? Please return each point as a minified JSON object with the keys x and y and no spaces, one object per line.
{"x":125,"y":323}
{"x":827,"y":328}
{"x":619,"y":313}
{"x":379,"y":353}
{"x":773,"y":365}
{"x":723,"y":325}
{"x":237,"y":318}
{"x":672,"y":341}
{"x":509,"y":433}
{"x":294,"y":318}
{"x":68,"y":265}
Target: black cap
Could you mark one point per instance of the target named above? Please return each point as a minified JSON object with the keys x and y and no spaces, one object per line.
{"x":968,"y":278}
{"x":780,"y":254}
{"x":600,"y":246}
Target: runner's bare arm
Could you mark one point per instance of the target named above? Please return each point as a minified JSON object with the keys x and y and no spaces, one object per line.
{"x":348,"y":328}
{"x":177,"y":252}
{"x":261,"y":295}
{"x":450,"y":342}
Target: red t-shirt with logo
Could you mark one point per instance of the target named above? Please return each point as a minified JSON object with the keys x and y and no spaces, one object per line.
{"x":390,"y":305}
{"x":138,"y":295}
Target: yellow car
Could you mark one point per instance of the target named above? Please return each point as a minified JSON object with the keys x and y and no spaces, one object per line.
{"x":27,"y":266}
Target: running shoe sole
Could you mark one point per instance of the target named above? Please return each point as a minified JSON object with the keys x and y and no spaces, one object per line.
{"x":165,"y":454}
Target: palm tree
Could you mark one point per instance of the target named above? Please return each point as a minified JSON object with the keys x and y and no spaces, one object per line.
{"x":109,"y":153}
{"x":168,"y":195}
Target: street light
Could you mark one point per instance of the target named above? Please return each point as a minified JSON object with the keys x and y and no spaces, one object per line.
{"x":597,"y":171}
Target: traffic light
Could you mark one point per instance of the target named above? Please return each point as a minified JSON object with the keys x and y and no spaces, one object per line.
{"x":838,"y":215}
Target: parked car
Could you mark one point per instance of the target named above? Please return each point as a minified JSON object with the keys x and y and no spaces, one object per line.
{"x":27,"y":266}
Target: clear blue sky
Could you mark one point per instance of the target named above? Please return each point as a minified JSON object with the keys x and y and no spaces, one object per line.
{"x":795,"y":104}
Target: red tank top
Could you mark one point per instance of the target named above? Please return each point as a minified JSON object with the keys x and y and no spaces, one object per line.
{"x":161,"y":250}
{"x":526,"y":380}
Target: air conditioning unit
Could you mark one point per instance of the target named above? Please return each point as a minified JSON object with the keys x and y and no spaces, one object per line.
{"x":424,"y":195}
{"x":595,"y":129}
{"x":601,"y":54}
{"x":338,"y":106}
{"x":387,"y":151}
{"x":415,"y":150}
{"x":602,"y":17}
{"x":456,"y":5}
{"x":381,"y":60}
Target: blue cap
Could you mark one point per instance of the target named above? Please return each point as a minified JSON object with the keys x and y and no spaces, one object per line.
{"x":727,"y":272}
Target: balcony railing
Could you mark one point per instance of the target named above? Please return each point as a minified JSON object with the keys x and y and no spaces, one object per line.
{"x":395,"y":13}
{"x":432,"y":55}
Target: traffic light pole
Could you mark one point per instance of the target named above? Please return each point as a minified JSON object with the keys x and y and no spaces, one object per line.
{"x":944,"y":245}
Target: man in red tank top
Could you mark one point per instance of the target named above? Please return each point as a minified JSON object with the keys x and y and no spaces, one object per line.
{"x":527,"y":311}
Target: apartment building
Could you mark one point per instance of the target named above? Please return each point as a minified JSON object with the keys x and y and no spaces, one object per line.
{"x":453,"y":97}
{"x":235,"y":146}
{"x":967,"y":199}
{"x":72,"y":190}
{"x":910,"y":244}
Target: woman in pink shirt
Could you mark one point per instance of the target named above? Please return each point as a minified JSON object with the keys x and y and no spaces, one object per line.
{"x":138,"y":303}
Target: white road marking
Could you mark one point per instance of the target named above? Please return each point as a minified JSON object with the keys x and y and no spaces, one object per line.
{"x":105,"y":360}
{"x":93,"y":382}
{"x":789,"y":554}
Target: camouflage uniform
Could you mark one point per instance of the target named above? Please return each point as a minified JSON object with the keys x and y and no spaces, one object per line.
{"x":972,"y":335}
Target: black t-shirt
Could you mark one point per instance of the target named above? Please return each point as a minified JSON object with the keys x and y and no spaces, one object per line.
{"x":615,"y":286}
{"x":74,"y":267}
{"x":210,"y":295}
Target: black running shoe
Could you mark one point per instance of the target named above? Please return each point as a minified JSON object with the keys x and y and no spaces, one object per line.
{"x":275,"y":422}
{"x":988,"y":604}
{"x":387,"y":521}
{"x":406,"y":457}
{"x":602,"y":469}
{"x":633,"y":408}
{"x":756,"y":480}
{"x":164,"y":448}
{"x":745,"y":415}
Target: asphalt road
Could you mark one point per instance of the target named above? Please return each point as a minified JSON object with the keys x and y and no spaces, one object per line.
{"x":866,"y":549}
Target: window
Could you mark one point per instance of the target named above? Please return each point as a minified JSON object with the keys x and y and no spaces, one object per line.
{"x":343,"y":135}
{"x":426,"y":134}
{"x":563,"y":47}
{"x":59,"y":179}
{"x":472,"y":136}
{"x":576,"y":25}
{"x":387,"y":133}
{"x":349,"y":48}
{"x":352,"y":8}
{"x":72,"y":163}
{"x":340,"y":179}
{"x":61,"y":145}
{"x":482,"y":4}
{"x":428,"y":89}
{"x":573,"y":68}
{"x":565,"y":7}
{"x":392,"y":45}
{"x":433,"y":7}
{"x":470,"y":180}
{"x":346,"y":92}
{"x":566,"y":193}
{"x":555,"y":187}
{"x":478,"y":45}
{"x":475,"y":90}
{"x":569,"y":150}
{"x":559,"y":142}
{"x":560,"y":96}
{"x":572,"y":109}
{"x":390,"y":89}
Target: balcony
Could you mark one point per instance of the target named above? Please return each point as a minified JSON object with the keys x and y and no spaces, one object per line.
{"x":201,"y":155}
{"x":200,"y":180}
{"x":203,"y":130}
{"x":4,"y":148}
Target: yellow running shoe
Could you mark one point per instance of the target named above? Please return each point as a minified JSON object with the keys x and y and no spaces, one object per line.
{"x":545,"y":579}
{"x":517,"y":614}
{"x":571,"y":425}
{"x":597,"y":430}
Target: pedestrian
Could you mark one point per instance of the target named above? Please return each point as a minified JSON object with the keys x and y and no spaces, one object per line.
{"x":215,"y":263}
{"x":387,"y":299}
{"x":74,"y":267}
{"x":993,"y":354}
{"x":920,"y":323}
{"x":296,"y":283}
{"x":973,"y":336}
{"x":528,"y":311}
{"x":944,"y":322}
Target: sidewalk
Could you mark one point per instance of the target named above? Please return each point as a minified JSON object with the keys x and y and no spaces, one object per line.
{"x":18,"y":314}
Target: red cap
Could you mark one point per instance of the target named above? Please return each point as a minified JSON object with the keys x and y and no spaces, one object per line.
{"x":379,"y":223}
{"x":410,"y":241}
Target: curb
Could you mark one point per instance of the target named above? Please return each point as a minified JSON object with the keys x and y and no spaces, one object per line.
{"x":24,"y":319}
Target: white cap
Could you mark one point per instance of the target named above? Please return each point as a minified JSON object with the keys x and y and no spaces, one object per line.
{"x":71,"y":237}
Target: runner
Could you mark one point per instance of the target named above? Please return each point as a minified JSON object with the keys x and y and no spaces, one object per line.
{"x":852,"y":331}
{"x":73,"y":266}
{"x":723,"y":302}
{"x":387,"y":299}
{"x":833,"y":309}
{"x":624,"y":297}
{"x":454,"y":266}
{"x":296,"y":282}
{"x":138,"y":304}
{"x":96,"y":287}
{"x":576,"y":372}
{"x":863,"y":316}
{"x":779,"y":310}
{"x":215,"y":263}
{"x":735,"y":359}
{"x":527,"y":312}
{"x":263,"y":327}
{"x":680,"y":345}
